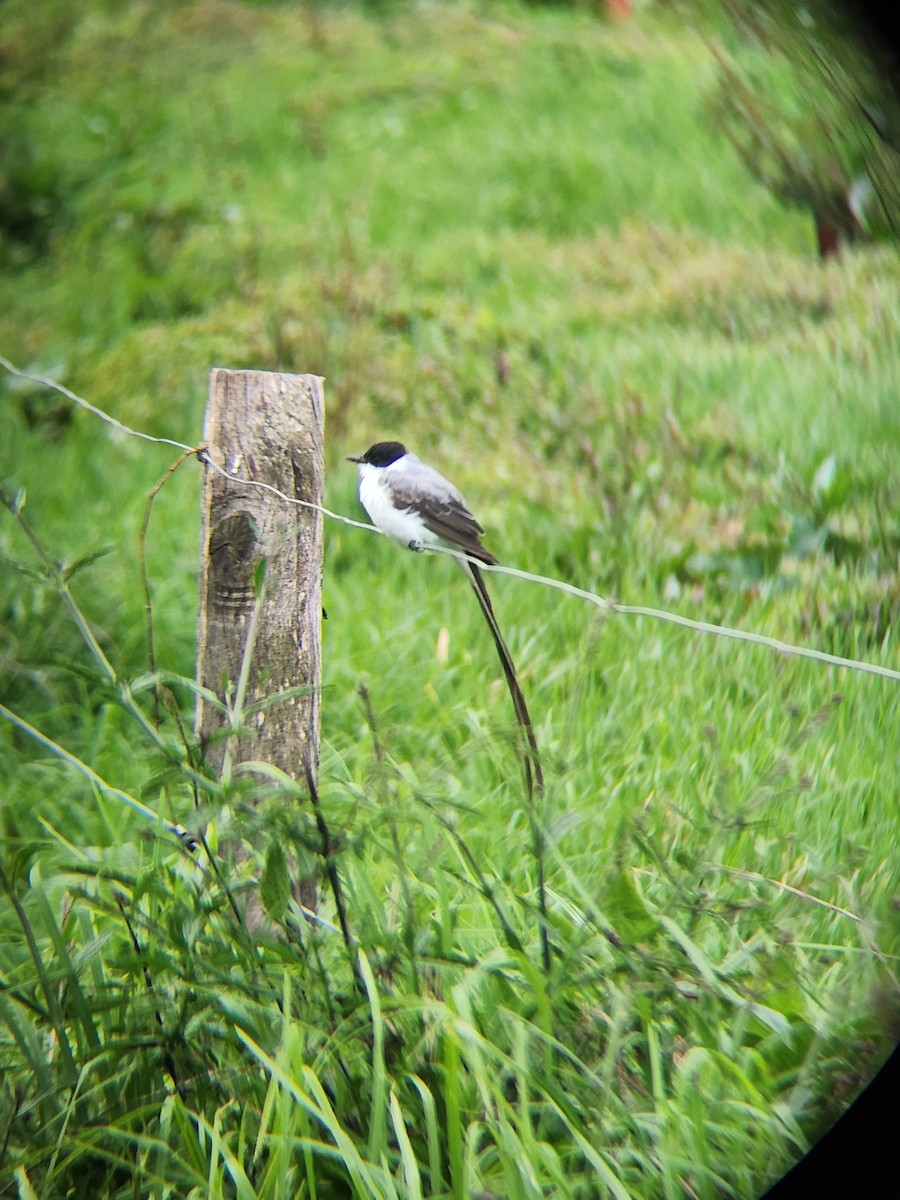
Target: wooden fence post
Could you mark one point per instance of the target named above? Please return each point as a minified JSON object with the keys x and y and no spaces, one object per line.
{"x":266,"y":428}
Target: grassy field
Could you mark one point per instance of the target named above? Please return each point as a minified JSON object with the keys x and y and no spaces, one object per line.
{"x":513,"y":238}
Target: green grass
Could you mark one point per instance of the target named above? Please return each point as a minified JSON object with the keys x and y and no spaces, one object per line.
{"x":513,"y":238}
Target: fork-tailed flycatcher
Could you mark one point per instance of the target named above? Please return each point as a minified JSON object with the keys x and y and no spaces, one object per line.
{"x":414,"y":504}
{"x":417,"y":506}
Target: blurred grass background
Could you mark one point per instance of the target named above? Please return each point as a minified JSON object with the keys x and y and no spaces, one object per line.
{"x":517,"y":238}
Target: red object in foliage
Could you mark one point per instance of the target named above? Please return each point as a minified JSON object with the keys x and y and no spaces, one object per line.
{"x":828,"y":237}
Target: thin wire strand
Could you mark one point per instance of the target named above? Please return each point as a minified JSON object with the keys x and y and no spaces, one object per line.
{"x":86,"y":404}
{"x":608,"y":606}
{"x":201,"y":451}
{"x":725,"y":631}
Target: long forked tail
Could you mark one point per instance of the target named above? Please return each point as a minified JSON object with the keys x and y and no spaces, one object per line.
{"x":534,"y":776}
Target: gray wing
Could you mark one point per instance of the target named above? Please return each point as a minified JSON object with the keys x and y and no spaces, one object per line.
{"x":440,"y":506}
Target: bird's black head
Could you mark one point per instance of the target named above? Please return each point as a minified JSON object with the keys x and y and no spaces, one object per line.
{"x":382,"y":454}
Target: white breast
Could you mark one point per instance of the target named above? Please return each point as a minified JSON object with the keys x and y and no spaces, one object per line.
{"x":374,"y":495}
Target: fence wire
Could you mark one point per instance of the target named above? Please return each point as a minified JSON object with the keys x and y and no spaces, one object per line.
{"x":601,"y":602}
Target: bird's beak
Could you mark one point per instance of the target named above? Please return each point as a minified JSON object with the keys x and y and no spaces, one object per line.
{"x":352,"y":458}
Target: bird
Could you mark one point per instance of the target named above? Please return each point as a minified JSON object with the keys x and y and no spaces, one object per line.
{"x":414,"y":504}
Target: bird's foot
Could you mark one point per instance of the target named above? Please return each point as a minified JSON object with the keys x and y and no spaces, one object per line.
{"x":416,"y":547}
